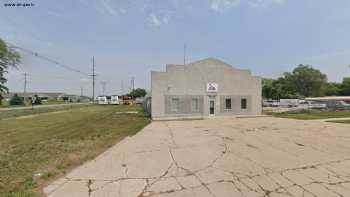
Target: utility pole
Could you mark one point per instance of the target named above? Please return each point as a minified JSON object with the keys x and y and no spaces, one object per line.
{"x":93,"y":79}
{"x":122,"y":87}
{"x":132,"y":83}
{"x":25,"y":83}
{"x":103,"y":83}
{"x":185,"y":53}
{"x":81,"y":91}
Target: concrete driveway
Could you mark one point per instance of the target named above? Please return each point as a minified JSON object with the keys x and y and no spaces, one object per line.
{"x":219,"y":157}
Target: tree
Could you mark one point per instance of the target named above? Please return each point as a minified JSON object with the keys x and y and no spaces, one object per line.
{"x":333,"y":89}
{"x":304,"y":81}
{"x":267,"y":88}
{"x":8,"y":57}
{"x":307,"y":81}
{"x":139,"y":92}
{"x":345,"y":87}
{"x":17,"y":100}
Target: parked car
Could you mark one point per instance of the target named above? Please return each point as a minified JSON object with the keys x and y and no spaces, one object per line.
{"x":342,"y":105}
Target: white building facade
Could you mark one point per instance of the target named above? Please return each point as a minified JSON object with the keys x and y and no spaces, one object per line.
{"x":204,"y":88}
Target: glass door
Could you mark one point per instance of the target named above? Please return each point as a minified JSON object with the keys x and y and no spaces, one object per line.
{"x":211,"y":107}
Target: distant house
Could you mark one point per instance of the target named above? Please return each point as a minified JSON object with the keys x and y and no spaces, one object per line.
{"x":73,"y":98}
{"x":42,"y":95}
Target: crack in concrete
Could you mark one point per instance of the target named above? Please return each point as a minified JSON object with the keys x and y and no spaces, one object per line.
{"x":89,"y":183}
{"x":241,"y":182}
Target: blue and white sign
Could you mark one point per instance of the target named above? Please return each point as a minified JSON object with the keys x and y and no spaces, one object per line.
{"x":212,"y":87}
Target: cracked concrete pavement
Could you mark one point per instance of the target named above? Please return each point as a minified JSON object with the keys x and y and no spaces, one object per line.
{"x":249,"y":157}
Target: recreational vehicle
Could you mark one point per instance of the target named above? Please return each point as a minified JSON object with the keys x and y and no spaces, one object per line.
{"x":114,"y":100}
{"x":102,"y":100}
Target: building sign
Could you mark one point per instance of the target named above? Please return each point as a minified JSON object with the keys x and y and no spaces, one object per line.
{"x":212,"y":87}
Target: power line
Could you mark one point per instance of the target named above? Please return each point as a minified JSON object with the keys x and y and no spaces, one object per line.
{"x":40,"y":76}
{"x":36,"y":54}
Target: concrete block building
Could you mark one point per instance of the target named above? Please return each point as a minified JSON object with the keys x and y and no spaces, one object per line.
{"x":204,"y":88}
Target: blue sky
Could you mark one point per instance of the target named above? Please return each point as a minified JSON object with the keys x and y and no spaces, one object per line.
{"x":131,"y":38}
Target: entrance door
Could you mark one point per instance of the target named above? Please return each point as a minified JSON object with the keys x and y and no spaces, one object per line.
{"x":211,"y":107}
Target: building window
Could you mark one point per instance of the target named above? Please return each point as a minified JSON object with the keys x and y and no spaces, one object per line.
{"x":175,"y":104}
{"x":243,"y":103}
{"x":228,"y":103}
{"x":195,"y":105}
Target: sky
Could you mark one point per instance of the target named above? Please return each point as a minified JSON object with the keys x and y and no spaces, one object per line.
{"x":132,"y":38}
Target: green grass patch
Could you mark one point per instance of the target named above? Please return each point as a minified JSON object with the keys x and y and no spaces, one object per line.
{"x":38,"y":110}
{"x":340,"y":121}
{"x":38,"y":149}
{"x":312,"y":114}
{"x":4,"y":104}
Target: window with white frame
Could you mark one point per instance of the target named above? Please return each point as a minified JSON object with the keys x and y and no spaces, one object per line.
{"x":195,"y":105}
{"x":175,"y":105}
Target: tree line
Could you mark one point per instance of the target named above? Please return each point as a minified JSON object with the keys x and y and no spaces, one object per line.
{"x":8,"y":57}
{"x":304,"y":81}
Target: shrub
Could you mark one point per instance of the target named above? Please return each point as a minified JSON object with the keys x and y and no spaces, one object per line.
{"x":17,"y":100}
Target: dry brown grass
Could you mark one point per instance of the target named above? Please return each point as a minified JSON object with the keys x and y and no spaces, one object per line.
{"x":51,"y":144}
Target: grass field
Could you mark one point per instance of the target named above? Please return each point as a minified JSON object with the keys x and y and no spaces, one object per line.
{"x":312,"y":114}
{"x":25,"y":112}
{"x":49,"y":102}
{"x":4,"y":104}
{"x":36,"y":149}
{"x":340,"y":121}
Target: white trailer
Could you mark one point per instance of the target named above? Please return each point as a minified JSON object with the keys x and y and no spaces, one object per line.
{"x":114,"y":100}
{"x":102,"y":100}
{"x":289,"y":102}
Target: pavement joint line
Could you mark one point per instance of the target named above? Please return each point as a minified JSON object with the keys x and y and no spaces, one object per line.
{"x":239,"y":180}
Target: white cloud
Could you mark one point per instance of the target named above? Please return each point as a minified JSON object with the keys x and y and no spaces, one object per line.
{"x":223,"y":5}
{"x":155,"y":20}
{"x":266,"y":3}
{"x":165,"y":19}
{"x":107,"y":7}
